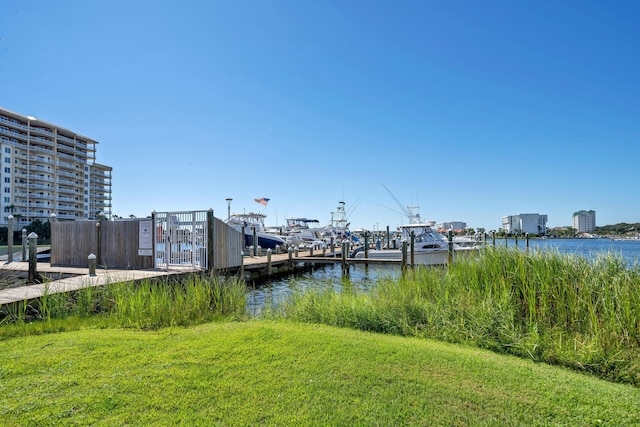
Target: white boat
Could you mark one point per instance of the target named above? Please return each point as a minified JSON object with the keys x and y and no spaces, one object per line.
{"x":254,"y":222}
{"x":304,"y":232}
{"x":430,"y":247}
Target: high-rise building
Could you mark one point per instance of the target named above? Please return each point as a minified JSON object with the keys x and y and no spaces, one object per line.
{"x":584,"y":221}
{"x":49,"y":170}
{"x":525,"y":223}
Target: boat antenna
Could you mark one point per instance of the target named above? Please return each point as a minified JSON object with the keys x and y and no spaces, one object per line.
{"x":407,"y":210}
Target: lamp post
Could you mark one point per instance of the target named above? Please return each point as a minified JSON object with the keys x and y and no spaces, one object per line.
{"x":229,"y":200}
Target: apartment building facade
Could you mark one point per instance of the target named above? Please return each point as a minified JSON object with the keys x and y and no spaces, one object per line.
{"x":584,"y":221}
{"x":49,"y":172}
{"x":531,"y":223}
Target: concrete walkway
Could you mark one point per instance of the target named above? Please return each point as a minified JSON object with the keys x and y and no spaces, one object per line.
{"x":81,"y":279}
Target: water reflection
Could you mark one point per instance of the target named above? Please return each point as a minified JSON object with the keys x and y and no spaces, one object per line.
{"x":326,"y":276}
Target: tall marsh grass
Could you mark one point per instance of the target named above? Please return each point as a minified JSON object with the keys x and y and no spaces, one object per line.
{"x":543,"y":305}
{"x":147,"y":304}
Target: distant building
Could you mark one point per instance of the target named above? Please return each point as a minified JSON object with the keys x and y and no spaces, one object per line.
{"x":453,"y":225}
{"x":584,"y":221}
{"x":48,"y":170}
{"x":525,"y":223}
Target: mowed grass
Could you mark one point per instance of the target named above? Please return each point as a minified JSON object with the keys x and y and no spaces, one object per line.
{"x":282,"y":373}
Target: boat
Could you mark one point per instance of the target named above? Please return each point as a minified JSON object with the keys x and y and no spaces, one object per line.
{"x":254,"y":223}
{"x":304,"y":232}
{"x":430,"y":247}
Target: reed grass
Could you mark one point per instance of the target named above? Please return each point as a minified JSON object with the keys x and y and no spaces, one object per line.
{"x":148,"y":304}
{"x":543,"y":305}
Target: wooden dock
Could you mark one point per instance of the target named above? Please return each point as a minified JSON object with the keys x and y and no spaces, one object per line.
{"x":75,"y":278}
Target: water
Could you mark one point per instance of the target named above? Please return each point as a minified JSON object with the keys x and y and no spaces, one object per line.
{"x":272,"y":292}
{"x":588,"y":248}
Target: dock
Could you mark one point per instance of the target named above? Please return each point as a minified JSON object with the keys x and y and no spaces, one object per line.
{"x":76,"y":278}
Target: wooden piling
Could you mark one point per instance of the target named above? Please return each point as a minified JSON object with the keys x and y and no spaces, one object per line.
{"x":413,"y":248}
{"x":33,"y":257}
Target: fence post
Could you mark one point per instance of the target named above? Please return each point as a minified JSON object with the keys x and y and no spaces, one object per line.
{"x":91,"y":260}
{"x":10,"y":239}
{"x":98,"y":251}
{"x":33,"y":257}
{"x":210,"y":241}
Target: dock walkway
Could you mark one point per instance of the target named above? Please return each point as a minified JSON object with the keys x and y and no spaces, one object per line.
{"x":75,"y":278}
{"x":78,"y":278}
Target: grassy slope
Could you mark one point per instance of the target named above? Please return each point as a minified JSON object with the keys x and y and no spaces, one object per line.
{"x":280,"y":373}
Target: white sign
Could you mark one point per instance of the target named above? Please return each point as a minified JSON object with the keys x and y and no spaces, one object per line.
{"x":145,"y":238}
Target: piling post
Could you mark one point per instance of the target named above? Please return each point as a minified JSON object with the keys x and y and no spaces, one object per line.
{"x":251,"y":251}
{"x":404,"y":255}
{"x":343,"y":254}
{"x":311,"y":250}
{"x":91,"y":260}
{"x":526,"y":236}
{"x":10,"y":239}
{"x":24,"y":244}
{"x":413,"y":248}
{"x":269,"y":261}
{"x":33,"y":257}
{"x":493,"y":238}
{"x":255,"y":242}
{"x":450,"y":236}
{"x":290,"y":250}
{"x":324,"y":250}
{"x":333,"y":247}
{"x":366,"y":244}
{"x":259,"y":251}
{"x":506,"y":242}
{"x":296,"y":250}
{"x":516,"y":238}
{"x":388,"y":237}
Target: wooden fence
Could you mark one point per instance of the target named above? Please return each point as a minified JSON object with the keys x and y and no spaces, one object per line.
{"x":115,"y":244}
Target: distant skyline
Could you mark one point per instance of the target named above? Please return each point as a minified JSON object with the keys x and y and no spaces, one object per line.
{"x":470,"y":110}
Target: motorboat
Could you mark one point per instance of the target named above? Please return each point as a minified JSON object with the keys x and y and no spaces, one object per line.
{"x":304,"y":232}
{"x":253,"y":223}
{"x":429,"y":246}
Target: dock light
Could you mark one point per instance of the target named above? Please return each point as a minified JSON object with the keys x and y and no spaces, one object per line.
{"x":229,"y":200}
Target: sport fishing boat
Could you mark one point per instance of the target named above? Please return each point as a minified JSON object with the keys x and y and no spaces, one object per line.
{"x":430,"y":247}
{"x":254,"y":222}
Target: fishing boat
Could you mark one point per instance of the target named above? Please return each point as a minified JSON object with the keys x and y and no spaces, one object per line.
{"x":430,"y":247}
{"x":253,"y":223}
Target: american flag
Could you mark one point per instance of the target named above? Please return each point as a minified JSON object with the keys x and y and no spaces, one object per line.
{"x":262,"y":200}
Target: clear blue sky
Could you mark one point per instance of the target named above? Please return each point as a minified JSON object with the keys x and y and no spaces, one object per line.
{"x":470,"y":109}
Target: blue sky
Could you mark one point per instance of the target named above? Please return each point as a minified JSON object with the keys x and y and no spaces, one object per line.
{"x":470,"y":109}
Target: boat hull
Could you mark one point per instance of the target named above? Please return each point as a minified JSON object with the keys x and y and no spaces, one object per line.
{"x":434,"y":257}
{"x":265,"y":241}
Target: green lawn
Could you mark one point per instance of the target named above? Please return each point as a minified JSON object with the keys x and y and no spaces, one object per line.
{"x":284,"y":373}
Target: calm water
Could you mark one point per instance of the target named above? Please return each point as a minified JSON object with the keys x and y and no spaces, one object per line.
{"x":589,"y":248}
{"x":364,"y":277}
